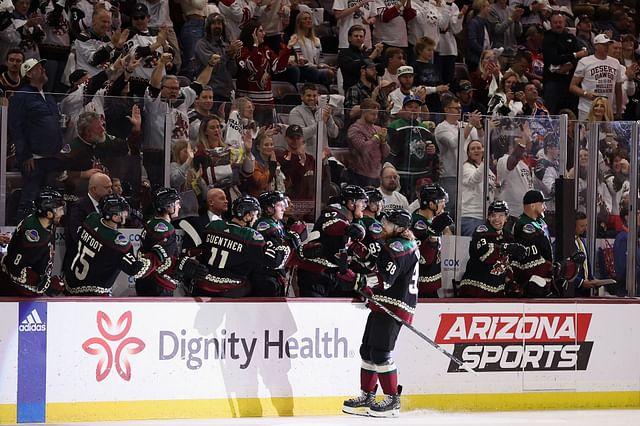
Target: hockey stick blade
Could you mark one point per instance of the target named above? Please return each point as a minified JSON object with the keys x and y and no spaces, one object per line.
{"x":420,"y":334}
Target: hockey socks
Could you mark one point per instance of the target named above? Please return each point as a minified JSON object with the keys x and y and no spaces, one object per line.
{"x":388,"y":377}
{"x":368,"y":376}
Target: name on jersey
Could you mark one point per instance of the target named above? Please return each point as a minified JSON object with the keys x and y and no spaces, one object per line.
{"x":91,"y":242}
{"x":516,"y":342}
{"x":223,"y":242}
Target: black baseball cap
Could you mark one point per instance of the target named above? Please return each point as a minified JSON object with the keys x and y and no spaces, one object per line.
{"x":294,"y":130}
{"x":534,"y":196}
{"x":366,"y":63}
{"x":140,"y":10}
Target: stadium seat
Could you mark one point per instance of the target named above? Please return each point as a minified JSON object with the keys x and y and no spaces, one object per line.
{"x":282,"y":88}
{"x":461,"y":72}
{"x":330,"y":59}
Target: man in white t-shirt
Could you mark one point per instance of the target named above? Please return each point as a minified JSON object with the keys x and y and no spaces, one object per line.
{"x":598,"y":75}
{"x":393,"y":16}
{"x":351,"y":12}
{"x":514,"y":177}
{"x":389,"y":186}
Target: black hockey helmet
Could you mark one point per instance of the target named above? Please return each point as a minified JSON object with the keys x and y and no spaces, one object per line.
{"x":374,"y":194}
{"x":398,"y":216}
{"x":353,"y":192}
{"x":47,"y":201}
{"x":112,"y":204}
{"x":432,"y":192}
{"x":245,"y":204}
{"x":164,"y":198}
{"x":270,"y":198}
{"x":498,"y":206}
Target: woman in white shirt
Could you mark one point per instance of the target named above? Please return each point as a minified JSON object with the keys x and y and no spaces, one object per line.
{"x":472,"y":212}
{"x":308,"y":52}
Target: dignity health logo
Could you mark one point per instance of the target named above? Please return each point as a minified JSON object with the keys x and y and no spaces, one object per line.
{"x":102,"y":346}
{"x":32,"y":322}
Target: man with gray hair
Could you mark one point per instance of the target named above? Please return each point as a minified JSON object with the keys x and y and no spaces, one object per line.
{"x":94,"y":151}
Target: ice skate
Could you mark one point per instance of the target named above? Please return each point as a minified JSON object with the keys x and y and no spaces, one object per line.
{"x":388,"y":407}
{"x":360,"y":404}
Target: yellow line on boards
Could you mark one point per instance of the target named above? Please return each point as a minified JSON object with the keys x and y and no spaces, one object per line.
{"x":307,"y":406}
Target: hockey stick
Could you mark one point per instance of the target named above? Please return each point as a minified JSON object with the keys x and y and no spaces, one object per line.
{"x":419,"y":333}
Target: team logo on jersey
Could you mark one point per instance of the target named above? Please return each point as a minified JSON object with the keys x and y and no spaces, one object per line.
{"x":375,"y":228}
{"x":262,"y":226}
{"x":258,"y":236}
{"x":161,"y":227}
{"x":482,"y":228}
{"x":32,"y":235}
{"x":529,"y":229}
{"x":121,"y":240}
{"x":396,"y":246}
{"x":112,"y":334}
{"x":420,"y":225}
{"x":66,"y":148}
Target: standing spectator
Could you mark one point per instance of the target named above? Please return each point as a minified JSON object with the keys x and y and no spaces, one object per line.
{"x":390,"y":188}
{"x":447,"y":46}
{"x":473,"y":189}
{"x":478,"y":33}
{"x":394,"y":58}
{"x":28,"y":24}
{"x":561,"y":53}
{"x":164,"y":99}
{"x":202,"y":109}
{"x":213,"y":155}
{"x":546,"y":172}
{"x":145,"y":44}
{"x":10,"y":80}
{"x":237,"y":13}
{"x":446,"y":134}
{"x":504,"y":21}
{"x":427,"y":74}
{"x":194,"y":12}
{"x":598,"y":75}
{"x":427,"y":23}
{"x":349,"y":14}
{"x":256,"y":65}
{"x":34,"y":128}
{"x":56,"y":46}
{"x":308,"y":53}
{"x":464,"y":91}
{"x":367,"y":146}
{"x":94,"y":49}
{"x":267,"y":174}
{"x":308,"y":115}
{"x":161,"y":19}
{"x":486,"y":78}
{"x":215,"y":42}
{"x":533,"y":107}
{"x":350,"y":59}
{"x":506,"y":102}
{"x":532,"y":10}
{"x":584,"y":33}
{"x":274,"y":15}
{"x":393,"y":17}
{"x":532,"y":47}
{"x":184,"y":177}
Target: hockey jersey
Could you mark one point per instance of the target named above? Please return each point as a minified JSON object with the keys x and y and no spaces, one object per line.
{"x":29,"y":259}
{"x":158,"y":231}
{"x":102,"y":253}
{"x":534,"y":235}
{"x":430,"y":279}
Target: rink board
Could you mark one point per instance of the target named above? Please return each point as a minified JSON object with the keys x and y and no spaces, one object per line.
{"x":119,"y":359}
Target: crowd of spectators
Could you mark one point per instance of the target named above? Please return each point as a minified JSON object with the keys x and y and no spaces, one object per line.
{"x":247,"y":95}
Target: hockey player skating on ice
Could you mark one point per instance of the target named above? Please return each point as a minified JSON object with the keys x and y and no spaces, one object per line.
{"x":27,"y":266}
{"x":397,"y":289}
{"x":490,"y":251}
{"x":103,"y":252}
{"x":428,"y":224}
{"x":233,"y":251}
{"x":159,"y":231}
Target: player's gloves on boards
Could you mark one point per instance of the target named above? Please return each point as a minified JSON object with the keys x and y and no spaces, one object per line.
{"x":356,"y":232}
{"x":515,"y":250}
{"x":312,"y":250}
{"x":440,"y":222}
{"x":160,"y":253}
{"x":569,"y":268}
{"x":294,"y":239}
{"x":191,"y":268}
{"x":299,"y":228}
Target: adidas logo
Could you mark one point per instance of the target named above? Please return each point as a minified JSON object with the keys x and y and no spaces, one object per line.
{"x":32,"y":323}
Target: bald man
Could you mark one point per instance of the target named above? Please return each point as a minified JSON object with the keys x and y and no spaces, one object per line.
{"x":99,"y":186}
{"x":217,"y":205}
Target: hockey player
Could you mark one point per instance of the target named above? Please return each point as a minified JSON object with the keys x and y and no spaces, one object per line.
{"x":272,"y":281}
{"x":27,"y":266}
{"x":103,"y":252}
{"x":316,"y":274}
{"x":428,"y":224}
{"x":534,"y":272}
{"x":365,"y":252}
{"x":396,"y":289}
{"x":489,"y":253}
{"x":234,"y":250}
{"x":159,"y":231}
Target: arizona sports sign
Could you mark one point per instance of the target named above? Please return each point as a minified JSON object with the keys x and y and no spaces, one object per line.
{"x":516,"y":342}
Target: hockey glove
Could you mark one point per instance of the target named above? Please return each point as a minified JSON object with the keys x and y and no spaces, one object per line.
{"x":312,"y":250}
{"x":56,"y":286}
{"x":515,"y":250}
{"x":294,"y":239}
{"x":359,"y":250}
{"x":440,"y":222}
{"x":356,"y":232}
{"x":348,"y":280}
{"x":299,"y":228}
{"x":160,"y":253}
{"x":191,"y":268}
{"x":136,"y":214}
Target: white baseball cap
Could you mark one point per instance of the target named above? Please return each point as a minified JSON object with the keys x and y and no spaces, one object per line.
{"x":602,"y":39}
{"x":29,"y":64}
{"x":405,"y":69}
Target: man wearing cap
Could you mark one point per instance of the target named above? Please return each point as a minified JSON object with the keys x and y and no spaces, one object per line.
{"x":464,"y":91}
{"x":366,"y":87}
{"x":413,"y":146}
{"x":405,"y":78}
{"x":584,"y":33}
{"x":368,"y":146}
{"x":598,"y":75}
{"x":534,"y":271}
{"x":308,"y":115}
{"x":145,"y":44}
{"x":299,"y":169}
{"x":34,"y":128}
